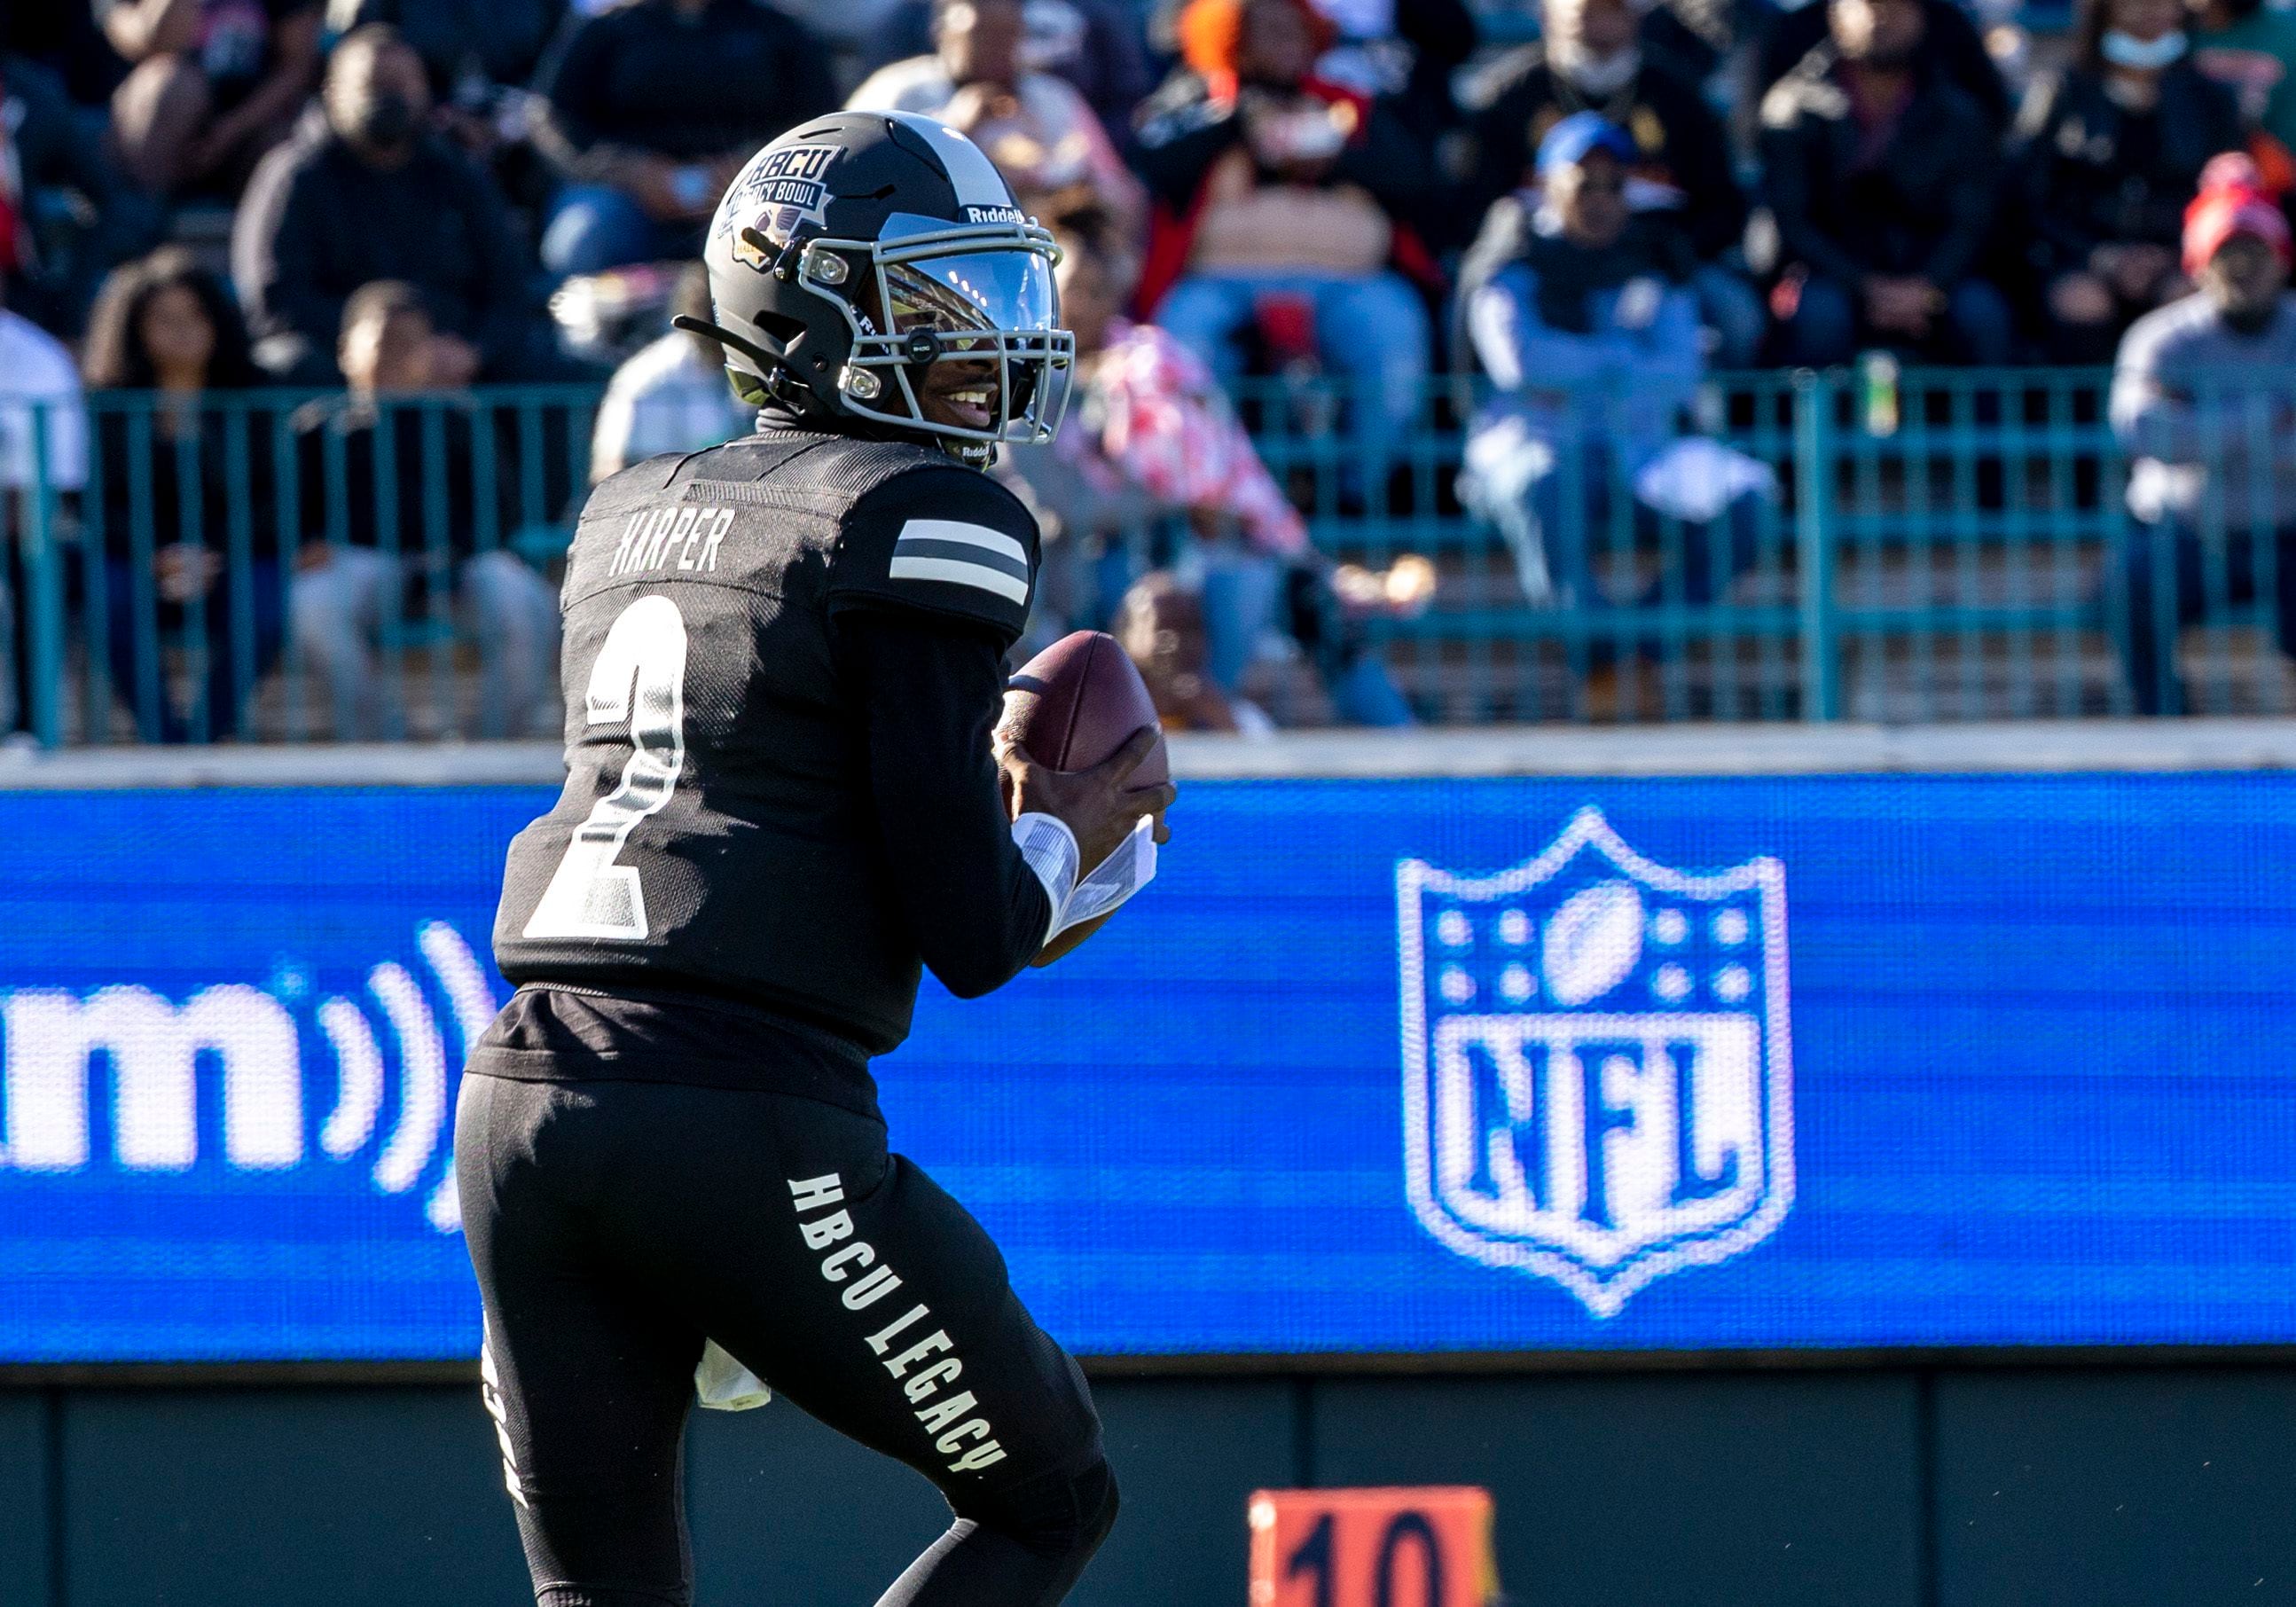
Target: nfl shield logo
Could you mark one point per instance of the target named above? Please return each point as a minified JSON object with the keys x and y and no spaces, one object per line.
{"x":1597,"y":1079}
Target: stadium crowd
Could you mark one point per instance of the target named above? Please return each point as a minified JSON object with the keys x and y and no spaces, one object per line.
{"x":1588,"y":206}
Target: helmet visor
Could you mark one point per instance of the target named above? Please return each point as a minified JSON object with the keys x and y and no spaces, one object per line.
{"x":972,"y":335}
{"x":971,"y":292}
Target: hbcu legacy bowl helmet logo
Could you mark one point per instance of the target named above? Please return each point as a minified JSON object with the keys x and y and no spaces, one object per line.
{"x":779,"y":190}
{"x":1596,"y":1082}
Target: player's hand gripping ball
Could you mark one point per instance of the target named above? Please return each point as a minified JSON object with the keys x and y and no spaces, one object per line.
{"x":1079,"y":739}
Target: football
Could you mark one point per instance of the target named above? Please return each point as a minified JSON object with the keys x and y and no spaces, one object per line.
{"x":1069,"y":708}
{"x":1078,"y":701}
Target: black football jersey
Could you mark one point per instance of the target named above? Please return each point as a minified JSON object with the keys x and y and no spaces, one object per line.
{"x":716,"y":830}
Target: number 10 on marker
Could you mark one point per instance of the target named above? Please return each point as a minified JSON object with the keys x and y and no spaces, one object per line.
{"x":1428,"y":1547}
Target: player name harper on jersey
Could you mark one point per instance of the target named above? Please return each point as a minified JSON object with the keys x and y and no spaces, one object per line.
{"x":680,"y":537}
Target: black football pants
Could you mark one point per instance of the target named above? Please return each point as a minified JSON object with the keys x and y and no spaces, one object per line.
{"x":615,"y":1225}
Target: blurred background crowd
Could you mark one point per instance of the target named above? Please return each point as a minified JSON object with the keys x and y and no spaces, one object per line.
{"x":1552,"y":222}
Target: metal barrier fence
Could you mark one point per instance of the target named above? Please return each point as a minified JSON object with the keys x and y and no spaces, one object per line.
{"x":288,"y":566}
{"x":1927,"y":545}
{"x":1916,"y":545}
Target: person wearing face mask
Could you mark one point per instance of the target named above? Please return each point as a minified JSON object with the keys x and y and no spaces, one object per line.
{"x":2203,"y":401}
{"x":1883,"y":178}
{"x":1590,"y":58}
{"x":364,"y":192}
{"x":2108,"y":150}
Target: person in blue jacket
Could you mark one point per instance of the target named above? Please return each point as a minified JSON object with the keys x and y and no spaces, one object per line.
{"x":1580,"y":311}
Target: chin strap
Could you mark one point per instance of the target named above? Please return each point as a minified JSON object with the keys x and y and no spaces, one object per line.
{"x":775,"y":377}
{"x":725,"y":337}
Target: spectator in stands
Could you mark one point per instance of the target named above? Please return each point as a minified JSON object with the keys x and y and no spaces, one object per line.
{"x":671,"y":396}
{"x":366,"y":191}
{"x":2204,"y":399}
{"x":469,"y":47}
{"x":39,"y":401}
{"x":1406,"y":53}
{"x":1038,"y":129}
{"x":1154,"y":440}
{"x":2249,"y":47}
{"x":1403,"y":51}
{"x":1948,"y":46}
{"x":1589,"y":59}
{"x":1582,"y":314}
{"x":2110,"y":149}
{"x":1095,"y":45}
{"x":62,"y":218}
{"x":377,"y":522}
{"x":65,"y":39}
{"x":1161,"y":627}
{"x":189,"y":540}
{"x":1273,"y":186}
{"x":1883,"y":175}
{"x":653,"y":107}
{"x":214,"y":85}
{"x":1717,"y":44}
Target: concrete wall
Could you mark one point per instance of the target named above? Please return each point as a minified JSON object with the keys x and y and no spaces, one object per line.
{"x":2063,"y":1487}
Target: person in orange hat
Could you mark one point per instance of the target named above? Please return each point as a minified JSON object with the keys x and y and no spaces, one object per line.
{"x":1285,"y":203}
{"x":2203,"y":396}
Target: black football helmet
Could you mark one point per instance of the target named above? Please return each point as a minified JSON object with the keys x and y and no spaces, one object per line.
{"x":855,"y":252}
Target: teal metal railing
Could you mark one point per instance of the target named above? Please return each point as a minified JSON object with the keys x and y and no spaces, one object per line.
{"x":1925,"y":545}
{"x":286,"y":566}
{"x":1940,"y":544}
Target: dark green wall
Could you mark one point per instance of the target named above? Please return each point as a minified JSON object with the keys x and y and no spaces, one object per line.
{"x":2084,"y":1486}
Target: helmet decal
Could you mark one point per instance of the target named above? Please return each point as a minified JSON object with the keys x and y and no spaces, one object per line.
{"x":775,"y":194}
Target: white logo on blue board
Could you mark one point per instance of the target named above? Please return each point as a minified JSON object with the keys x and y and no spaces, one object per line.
{"x":51,"y":1039}
{"x":1597,"y":1078}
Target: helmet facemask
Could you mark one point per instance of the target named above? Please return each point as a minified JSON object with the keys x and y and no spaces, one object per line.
{"x":979,"y":296}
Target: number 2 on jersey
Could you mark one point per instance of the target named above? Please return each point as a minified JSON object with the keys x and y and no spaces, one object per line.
{"x":639,"y":677}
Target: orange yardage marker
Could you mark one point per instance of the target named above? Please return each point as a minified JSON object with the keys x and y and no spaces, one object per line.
{"x":1395,"y":1547}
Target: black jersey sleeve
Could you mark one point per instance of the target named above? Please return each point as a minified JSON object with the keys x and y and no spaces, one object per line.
{"x":943,"y":540}
{"x":928,"y":692}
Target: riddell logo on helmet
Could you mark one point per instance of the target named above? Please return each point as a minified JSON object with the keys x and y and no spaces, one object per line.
{"x":994,"y":215}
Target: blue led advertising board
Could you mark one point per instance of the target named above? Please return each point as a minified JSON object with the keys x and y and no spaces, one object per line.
{"x":1401,"y":1066}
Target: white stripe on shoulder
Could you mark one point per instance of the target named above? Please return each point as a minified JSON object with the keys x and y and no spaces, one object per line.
{"x":955,"y":571}
{"x":958,"y":530}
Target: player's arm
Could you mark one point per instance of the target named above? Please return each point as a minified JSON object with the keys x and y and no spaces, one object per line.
{"x":927,"y":691}
{"x":929,"y":588}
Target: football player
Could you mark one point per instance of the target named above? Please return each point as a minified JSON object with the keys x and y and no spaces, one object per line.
{"x":782,"y":663}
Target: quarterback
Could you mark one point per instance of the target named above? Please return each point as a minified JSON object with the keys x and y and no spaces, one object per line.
{"x":783,"y":664}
